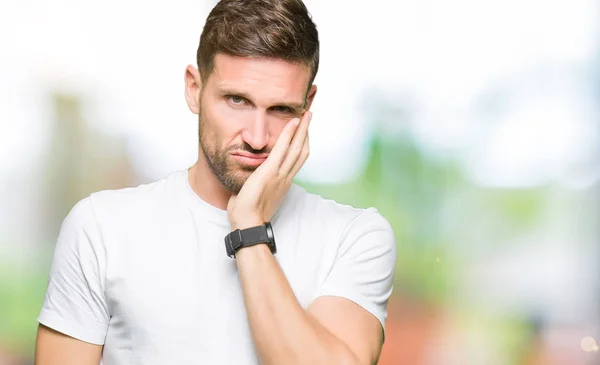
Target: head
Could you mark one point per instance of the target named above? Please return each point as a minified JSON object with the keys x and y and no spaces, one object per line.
{"x":257,"y":61}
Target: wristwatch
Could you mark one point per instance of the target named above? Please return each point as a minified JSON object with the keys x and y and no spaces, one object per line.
{"x":241,"y":238}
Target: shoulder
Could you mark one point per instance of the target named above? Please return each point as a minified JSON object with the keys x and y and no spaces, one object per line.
{"x":126,"y":208}
{"x":135,"y":200}
{"x":345,"y":219}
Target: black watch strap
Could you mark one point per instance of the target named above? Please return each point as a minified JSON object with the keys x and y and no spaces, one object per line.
{"x":241,"y":238}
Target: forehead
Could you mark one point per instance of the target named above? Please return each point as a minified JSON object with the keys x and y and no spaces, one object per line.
{"x":262,"y":78}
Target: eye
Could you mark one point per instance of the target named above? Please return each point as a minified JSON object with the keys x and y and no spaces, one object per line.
{"x":282,"y":109}
{"x":235,"y":99}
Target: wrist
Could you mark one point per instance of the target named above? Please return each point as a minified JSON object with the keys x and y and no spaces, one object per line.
{"x":254,"y":234}
{"x":256,"y":251}
{"x":247,"y":222}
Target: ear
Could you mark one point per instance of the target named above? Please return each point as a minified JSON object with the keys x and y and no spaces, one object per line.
{"x":193,"y":88}
{"x":310,"y":96}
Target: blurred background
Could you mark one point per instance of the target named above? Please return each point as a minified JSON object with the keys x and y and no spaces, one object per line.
{"x":473,"y":126}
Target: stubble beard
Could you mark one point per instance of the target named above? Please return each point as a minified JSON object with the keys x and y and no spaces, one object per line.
{"x":219,"y":162}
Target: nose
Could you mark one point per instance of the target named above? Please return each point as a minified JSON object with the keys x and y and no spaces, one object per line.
{"x":256,"y":133}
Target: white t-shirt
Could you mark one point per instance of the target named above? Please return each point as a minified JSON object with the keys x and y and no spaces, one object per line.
{"x":144,"y":271}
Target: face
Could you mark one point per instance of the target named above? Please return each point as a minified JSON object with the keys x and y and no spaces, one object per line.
{"x":242,"y":109}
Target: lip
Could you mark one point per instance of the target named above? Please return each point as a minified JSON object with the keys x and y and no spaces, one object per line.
{"x":250,"y":159}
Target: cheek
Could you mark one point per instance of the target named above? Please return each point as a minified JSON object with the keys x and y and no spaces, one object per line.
{"x":225,"y":123}
{"x":275,"y":126}
{"x":234,"y":119}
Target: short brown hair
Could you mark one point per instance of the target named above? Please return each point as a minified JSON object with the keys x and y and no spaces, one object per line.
{"x":271,"y":29}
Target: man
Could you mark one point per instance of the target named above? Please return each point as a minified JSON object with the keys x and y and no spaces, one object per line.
{"x":227,"y":262}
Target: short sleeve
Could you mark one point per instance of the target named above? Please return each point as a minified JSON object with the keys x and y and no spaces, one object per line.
{"x":75,"y":303}
{"x":364,"y":268}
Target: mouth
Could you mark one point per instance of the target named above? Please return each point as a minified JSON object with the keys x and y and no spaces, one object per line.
{"x":250,"y":159}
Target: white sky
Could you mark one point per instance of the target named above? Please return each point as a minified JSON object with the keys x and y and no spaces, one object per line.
{"x":128,"y":56}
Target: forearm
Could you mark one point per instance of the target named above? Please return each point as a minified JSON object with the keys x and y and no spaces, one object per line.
{"x":282,"y":330}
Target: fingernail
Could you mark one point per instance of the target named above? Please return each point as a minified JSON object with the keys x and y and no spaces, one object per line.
{"x":296,"y":121}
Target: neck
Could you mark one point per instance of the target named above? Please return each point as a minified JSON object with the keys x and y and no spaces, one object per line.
{"x":206,"y":185}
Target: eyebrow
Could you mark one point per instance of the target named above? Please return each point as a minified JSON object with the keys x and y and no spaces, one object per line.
{"x":296,"y":107}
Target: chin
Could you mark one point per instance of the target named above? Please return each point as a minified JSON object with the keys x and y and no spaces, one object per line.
{"x":235,"y":183}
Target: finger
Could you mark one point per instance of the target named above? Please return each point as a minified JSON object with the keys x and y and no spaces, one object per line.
{"x":281,"y":146}
{"x":301,"y":160}
{"x":297,"y":144}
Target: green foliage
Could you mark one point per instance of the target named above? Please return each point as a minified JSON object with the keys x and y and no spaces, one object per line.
{"x":519,"y":208}
{"x":22,"y":292}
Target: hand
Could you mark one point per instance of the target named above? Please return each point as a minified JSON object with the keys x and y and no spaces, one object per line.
{"x":264,"y":190}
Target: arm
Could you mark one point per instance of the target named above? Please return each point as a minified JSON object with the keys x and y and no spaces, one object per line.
{"x":55,"y":348}
{"x":345,"y":324}
{"x":334,"y":331}
{"x":74,"y":317}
